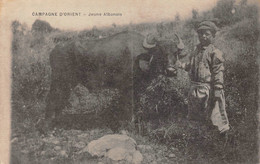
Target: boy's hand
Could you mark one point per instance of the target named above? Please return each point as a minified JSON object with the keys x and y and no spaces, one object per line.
{"x":217,"y":93}
{"x":179,"y":64}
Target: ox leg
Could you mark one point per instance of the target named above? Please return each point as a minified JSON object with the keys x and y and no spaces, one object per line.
{"x":120,"y":112}
{"x":139,"y":88}
{"x":58,"y":97}
{"x":126,"y":108}
{"x":137,"y":113}
{"x":126,"y":103}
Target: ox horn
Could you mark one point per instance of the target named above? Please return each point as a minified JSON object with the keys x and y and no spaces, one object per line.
{"x":180,"y":45}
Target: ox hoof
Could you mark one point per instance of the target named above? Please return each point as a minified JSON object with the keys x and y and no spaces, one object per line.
{"x":137,"y":122}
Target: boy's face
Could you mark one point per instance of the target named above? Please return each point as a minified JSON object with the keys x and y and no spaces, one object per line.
{"x":205,"y":37}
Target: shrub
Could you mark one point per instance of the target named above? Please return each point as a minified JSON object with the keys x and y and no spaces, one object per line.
{"x":41,"y":26}
{"x":30,"y":76}
{"x":165,"y":97}
{"x":223,"y":11}
{"x":246,"y":30}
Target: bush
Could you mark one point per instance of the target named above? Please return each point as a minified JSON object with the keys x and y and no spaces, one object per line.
{"x":30,"y":77}
{"x":166,"y":97}
{"x":223,"y":11}
{"x":246,"y":30}
{"x":41,"y":26}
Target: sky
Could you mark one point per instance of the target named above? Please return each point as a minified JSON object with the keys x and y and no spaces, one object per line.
{"x":134,"y":11}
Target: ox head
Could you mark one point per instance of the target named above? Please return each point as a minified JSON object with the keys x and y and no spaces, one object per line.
{"x":165,"y":56}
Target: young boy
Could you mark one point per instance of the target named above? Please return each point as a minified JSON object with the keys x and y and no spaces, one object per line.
{"x":206,"y":66}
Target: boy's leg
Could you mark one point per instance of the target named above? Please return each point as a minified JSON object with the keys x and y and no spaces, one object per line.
{"x":219,"y":115}
{"x":198,"y":103}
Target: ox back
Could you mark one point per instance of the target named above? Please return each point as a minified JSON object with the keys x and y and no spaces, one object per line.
{"x":107,"y":62}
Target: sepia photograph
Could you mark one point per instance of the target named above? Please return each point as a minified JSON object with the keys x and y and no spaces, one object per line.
{"x":129,"y":82}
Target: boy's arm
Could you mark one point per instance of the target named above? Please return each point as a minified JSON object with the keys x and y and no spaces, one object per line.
{"x":185,"y":66}
{"x":218,"y":72}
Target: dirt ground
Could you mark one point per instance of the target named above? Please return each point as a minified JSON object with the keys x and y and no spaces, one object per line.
{"x":69,"y":146}
{"x":68,"y":141}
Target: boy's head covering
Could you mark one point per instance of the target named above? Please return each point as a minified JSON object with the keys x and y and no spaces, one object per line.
{"x":207,"y":25}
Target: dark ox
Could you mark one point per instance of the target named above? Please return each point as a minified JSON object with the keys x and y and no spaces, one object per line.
{"x":111,"y":62}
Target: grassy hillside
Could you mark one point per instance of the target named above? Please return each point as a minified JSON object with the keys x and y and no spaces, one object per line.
{"x":164,"y":102}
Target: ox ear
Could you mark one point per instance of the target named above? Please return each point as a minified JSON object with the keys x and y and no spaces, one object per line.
{"x":183,"y":54}
{"x":180,"y":44}
{"x":144,"y":62}
{"x":144,"y":65}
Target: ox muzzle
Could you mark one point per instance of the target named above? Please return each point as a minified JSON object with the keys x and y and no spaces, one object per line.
{"x":171,"y":71}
